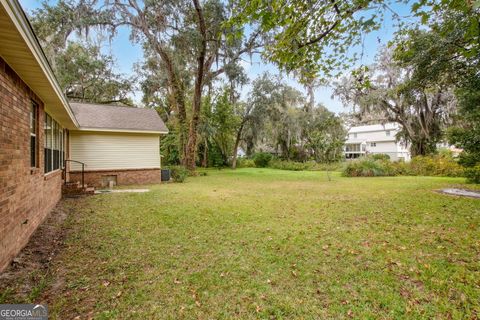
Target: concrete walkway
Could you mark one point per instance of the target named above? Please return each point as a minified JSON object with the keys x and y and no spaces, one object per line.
{"x":461,"y":192}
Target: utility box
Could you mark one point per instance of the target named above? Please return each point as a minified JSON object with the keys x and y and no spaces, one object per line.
{"x":166,"y":175}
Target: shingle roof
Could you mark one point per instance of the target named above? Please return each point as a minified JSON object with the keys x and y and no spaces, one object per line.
{"x":100,"y":116}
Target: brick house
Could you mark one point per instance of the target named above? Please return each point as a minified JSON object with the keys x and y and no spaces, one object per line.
{"x":40,"y":133}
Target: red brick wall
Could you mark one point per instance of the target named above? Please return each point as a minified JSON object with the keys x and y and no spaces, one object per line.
{"x":124,"y":177}
{"x":26,"y":194}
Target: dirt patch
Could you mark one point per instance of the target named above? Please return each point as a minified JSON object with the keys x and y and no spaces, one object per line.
{"x":28,"y":273}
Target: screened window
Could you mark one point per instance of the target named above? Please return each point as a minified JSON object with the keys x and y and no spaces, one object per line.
{"x":352,"y":148}
{"x":33,"y":134}
{"x":387,"y":133}
{"x":54,"y":145}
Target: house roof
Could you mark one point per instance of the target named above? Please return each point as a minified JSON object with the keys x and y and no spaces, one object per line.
{"x":374,"y":127}
{"x":101,"y":117}
{"x":22,"y":52}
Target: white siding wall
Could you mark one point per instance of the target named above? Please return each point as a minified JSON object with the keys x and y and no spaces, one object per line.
{"x":104,"y":150}
{"x":374,"y":135}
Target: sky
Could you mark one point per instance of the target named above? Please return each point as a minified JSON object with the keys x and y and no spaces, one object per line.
{"x":127,"y":55}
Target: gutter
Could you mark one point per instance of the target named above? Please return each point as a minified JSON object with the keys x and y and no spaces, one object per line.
{"x":120,"y":130}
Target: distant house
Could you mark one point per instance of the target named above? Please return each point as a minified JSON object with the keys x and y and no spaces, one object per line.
{"x":41,"y":133}
{"x":375,"y":139}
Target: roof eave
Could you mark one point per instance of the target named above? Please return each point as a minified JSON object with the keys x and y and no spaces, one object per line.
{"x":19,"y":19}
{"x":119,"y":130}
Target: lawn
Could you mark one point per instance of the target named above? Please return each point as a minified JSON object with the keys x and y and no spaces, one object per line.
{"x":262,"y":243}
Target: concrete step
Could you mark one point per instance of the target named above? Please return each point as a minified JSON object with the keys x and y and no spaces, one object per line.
{"x":74,"y":189}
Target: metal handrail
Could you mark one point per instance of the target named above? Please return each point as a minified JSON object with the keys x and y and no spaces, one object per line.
{"x":83,"y":170}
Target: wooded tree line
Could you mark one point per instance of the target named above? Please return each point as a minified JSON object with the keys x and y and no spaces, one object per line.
{"x":426,"y":79}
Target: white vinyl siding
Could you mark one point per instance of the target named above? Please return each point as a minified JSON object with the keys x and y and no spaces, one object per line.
{"x":106,"y":151}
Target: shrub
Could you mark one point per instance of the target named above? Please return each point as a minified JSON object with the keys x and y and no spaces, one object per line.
{"x":437,"y":165}
{"x":380,"y":156}
{"x":289,"y":165}
{"x":368,"y":167}
{"x":245,"y":163}
{"x":178,"y":173}
{"x":262,"y":159}
{"x":402,"y":168}
{"x":473,"y":174}
{"x":334,"y":166}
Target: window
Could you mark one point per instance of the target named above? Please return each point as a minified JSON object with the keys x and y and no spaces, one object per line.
{"x":387,"y":133}
{"x":354,"y":135}
{"x":373,"y":144}
{"x":33,"y":134}
{"x":54,"y":145}
{"x":352,"y":148}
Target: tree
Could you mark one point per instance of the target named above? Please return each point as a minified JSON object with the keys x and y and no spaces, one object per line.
{"x":284,"y":114}
{"x":422,"y":111}
{"x":54,"y":25}
{"x":272,"y":113}
{"x":83,"y":71}
{"x":181,"y":35}
{"x":312,"y":35}
{"x":196,"y":29}
{"x":325,"y":135}
{"x":466,"y":134}
{"x":254,"y":113}
{"x":448,"y":53}
{"x":86,"y":75}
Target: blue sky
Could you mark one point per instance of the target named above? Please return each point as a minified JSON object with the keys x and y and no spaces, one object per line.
{"x":127,"y":54}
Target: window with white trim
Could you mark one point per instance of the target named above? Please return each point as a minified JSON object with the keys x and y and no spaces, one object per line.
{"x":33,"y":134}
{"x":54,"y":145}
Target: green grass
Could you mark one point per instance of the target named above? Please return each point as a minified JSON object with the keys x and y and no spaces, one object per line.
{"x":270,"y":244}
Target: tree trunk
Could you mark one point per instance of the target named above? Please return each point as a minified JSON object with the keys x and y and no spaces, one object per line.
{"x":197,"y":97}
{"x":192,"y":133}
{"x":179,"y":105}
{"x":235,"y":148}
{"x":311,"y":97}
{"x":205,"y":154}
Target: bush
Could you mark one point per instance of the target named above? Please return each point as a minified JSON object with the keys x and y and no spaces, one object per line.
{"x":245,"y":163}
{"x":380,"y":156}
{"x":262,"y":159}
{"x":473,"y":174}
{"x":334,"y":166}
{"x":437,"y":165}
{"x":290,"y":165}
{"x":178,"y":173}
{"x":402,"y":168}
{"x":368,"y":167}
